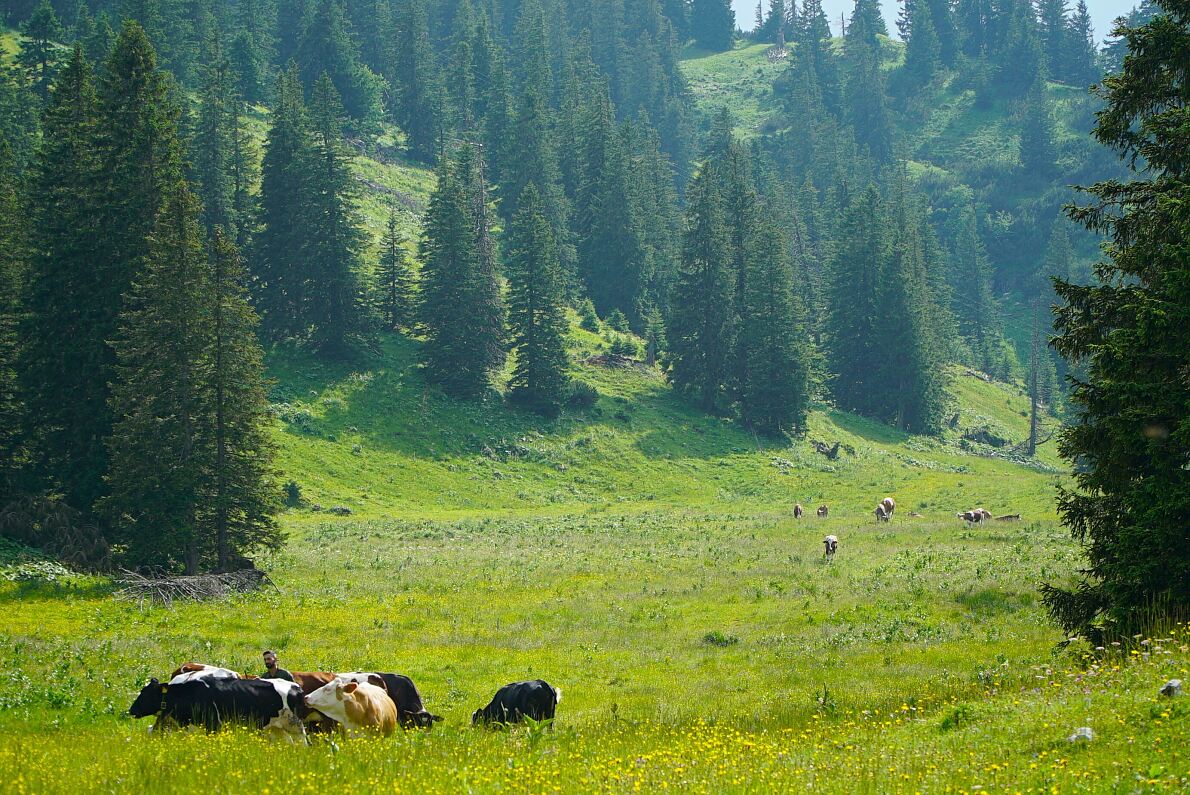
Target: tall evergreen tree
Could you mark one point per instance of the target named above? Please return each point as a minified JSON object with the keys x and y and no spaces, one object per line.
{"x":12,"y":256}
{"x":854,"y":308}
{"x":419,"y":105}
{"x":866,"y":108}
{"x":923,"y":51}
{"x":536,"y":312}
{"x":461,"y":308}
{"x":1052,"y":32}
{"x":772,"y":338}
{"x":239,"y":491}
{"x":39,"y":53}
{"x":977,"y":310}
{"x":212,"y":145}
{"x":327,"y":47}
{"x":712,"y":24}
{"x":1080,"y":56}
{"x":701,"y":330}
{"x":277,"y":264}
{"x":63,"y":365}
{"x":157,"y":457}
{"x":395,"y":282}
{"x":332,"y":234}
{"x":1131,"y":429}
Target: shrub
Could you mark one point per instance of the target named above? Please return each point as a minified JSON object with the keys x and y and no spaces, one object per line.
{"x":587,"y":317}
{"x":717,"y":638}
{"x":582,"y":395}
{"x":293,"y":494}
{"x":617,"y":321}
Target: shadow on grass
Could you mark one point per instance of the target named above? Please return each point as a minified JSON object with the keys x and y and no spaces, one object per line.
{"x":43,"y":591}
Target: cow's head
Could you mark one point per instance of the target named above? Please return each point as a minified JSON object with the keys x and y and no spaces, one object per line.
{"x":148,"y":701}
{"x":329,"y":698}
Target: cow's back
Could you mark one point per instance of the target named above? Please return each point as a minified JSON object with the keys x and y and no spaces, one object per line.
{"x":369,"y":707}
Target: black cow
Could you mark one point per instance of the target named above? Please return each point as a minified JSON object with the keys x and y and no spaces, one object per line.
{"x":410,"y":709}
{"x":270,"y":704}
{"x":536,"y":699}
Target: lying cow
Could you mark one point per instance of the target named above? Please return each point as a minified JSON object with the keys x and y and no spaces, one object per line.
{"x":270,"y":704}
{"x":515,"y":702}
{"x":798,"y":511}
{"x":1011,"y":517}
{"x":881,"y":514}
{"x":822,"y":511}
{"x":190,"y":671}
{"x":832,"y":546}
{"x":358,"y":707}
{"x":974,"y":516}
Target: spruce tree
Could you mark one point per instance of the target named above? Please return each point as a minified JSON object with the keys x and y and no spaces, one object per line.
{"x":923,"y":52}
{"x":536,"y":312}
{"x":64,"y":365}
{"x":712,"y":24}
{"x":854,"y":308}
{"x":277,"y":264}
{"x":158,"y":399}
{"x":239,"y":490}
{"x":864,"y":89}
{"x":327,"y":48}
{"x":395,"y":282}
{"x":701,"y":329}
{"x":12,"y":260}
{"x":419,"y":105}
{"x":39,"y":53}
{"x":1128,"y":438}
{"x":332,"y":234}
{"x":212,"y":145}
{"x":772,"y":338}
{"x":1053,"y":36}
{"x":461,"y":308}
{"x":1080,"y":56}
{"x":976,"y":305}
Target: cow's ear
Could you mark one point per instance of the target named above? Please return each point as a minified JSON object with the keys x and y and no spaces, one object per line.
{"x":153,"y":682}
{"x":351,"y":686}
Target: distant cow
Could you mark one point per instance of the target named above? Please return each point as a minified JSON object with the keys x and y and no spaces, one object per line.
{"x":411,"y":711}
{"x":881,"y":514}
{"x":270,"y":704}
{"x":798,"y":511}
{"x":514,"y":702}
{"x":358,"y":707}
{"x":974,"y":516}
{"x":822,"y":511}
{"x":890,"y":505}
{"x":832,"y":546}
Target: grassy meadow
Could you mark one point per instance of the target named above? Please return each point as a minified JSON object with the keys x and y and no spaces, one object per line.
{"x":643,"y":558}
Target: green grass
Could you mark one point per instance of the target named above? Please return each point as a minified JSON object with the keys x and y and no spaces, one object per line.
{"x":641,"y":556}
{"x":739,"y":80}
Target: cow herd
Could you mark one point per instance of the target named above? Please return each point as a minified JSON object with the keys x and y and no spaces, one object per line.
{"x":884,"y":513}
{"x":318,"y":702}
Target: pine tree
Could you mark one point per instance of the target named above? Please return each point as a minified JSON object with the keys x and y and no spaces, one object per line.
{"x":1080,"y":55}
{"x":328,"y":48}
{"x":157,"y":457}
{"x":866,"y":109}
{"x":923,"y":52}
{"x":701,"y":330}
{"x":977,"y":310}
{"x":12,"y":256}
{"x":1053,"y":36}
{"x":536,"y":313}
{"x":99,"y":44}
{"x":815,"y":47}
{"x":974,"y":21}
{"x":39,"y":54}
{"x":212,"y":144}
{"x":1037,"y":135}
{"x":395,"y":282}
{"x":332,"y":236}
{"x":678,"y":14}
{"x":1020,"y":59}
{"x":277,"y":265}
{"x":1130,"y":431}
{"x":419,"y":106}
{"x":712,"y":24}
{"x":64,"y":360}
{"x":239,"y":493}
{"x":461,"y":308}
{"x":772,"y":338}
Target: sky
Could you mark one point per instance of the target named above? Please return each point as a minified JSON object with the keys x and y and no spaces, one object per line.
{"x":1102,"y":13}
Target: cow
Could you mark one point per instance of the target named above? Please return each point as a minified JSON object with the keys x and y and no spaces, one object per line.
{"x":358,"y":707}
{"x":974,"y":516}
{"x":514,"y":702}
{"x":890,"y":505}
{"x":190,"y":671}
{"x":832,"y":546}
{"x":798,"y":511}
{"x":881,"y":514}
{"x":411,"y":711}
{"x":822,"y":511}
{"x":270,"y":704}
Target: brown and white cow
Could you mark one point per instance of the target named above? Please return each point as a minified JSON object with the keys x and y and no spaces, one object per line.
{"x":798,"y":511}
{"x":974,"y":516}
{"x":890,"y":505}
{"x":359,"y":708}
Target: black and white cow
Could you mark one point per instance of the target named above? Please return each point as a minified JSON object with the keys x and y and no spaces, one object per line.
{"x":270,"y":704}
{"x":536,"y":699}
{"x":831,"y":546}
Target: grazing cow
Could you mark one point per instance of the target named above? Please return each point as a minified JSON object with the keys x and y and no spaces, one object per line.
{"x":974,"y":516}
{"x":271,"y":704}
{"x":411,"y":711}
{"x":514,"y":702}
{"x":881,"y":514}
{"x":822,"y":511}
{"x":832,"y":546}
{"x":798,"y":511}
{"x":890,"y":505}
{"x":358,"y":707}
